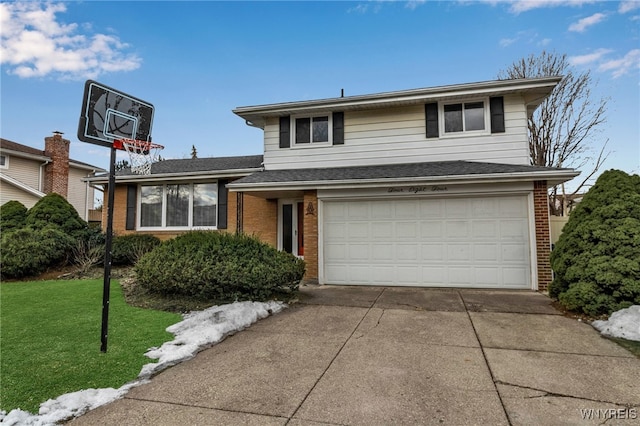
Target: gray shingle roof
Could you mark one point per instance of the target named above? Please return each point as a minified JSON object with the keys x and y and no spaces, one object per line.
{"x":195,"y":165}
{"x":394,"y":171}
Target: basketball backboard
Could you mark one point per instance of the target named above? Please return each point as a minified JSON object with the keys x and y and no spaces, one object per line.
{"x":109,"y":114}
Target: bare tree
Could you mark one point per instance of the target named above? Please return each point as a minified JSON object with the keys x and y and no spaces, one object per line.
{"x":564,"y":128}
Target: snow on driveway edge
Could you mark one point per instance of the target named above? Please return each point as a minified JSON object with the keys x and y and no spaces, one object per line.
{"x":197,"y":331}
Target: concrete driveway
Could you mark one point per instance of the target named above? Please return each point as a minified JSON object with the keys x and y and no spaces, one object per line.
{"x":371,"y":355}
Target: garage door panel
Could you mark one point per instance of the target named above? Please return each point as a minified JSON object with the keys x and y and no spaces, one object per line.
{"x":358,"y":230}
{"x":456,"y":229}
{"x":383,"y":275}
{"x":514,"y":253}
{"x":359,"y":252}
{"x":487,"y":276}
{"x":406,"y":210}
{"x":407,"y":252}
{"x":432,"y":252}
{"x":382,"y":252}
{"x":457,"y":252}
{"x":431,"y":229}
{"x":406,"y":230}
{"x":382,"y":230}
{"x":489,"y":252}
{"x":456,"y":242}
{"x":484,"y":229}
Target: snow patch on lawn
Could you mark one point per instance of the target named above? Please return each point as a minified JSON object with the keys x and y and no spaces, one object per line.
{"x":624,"y":324}
{"x":197,"y":331}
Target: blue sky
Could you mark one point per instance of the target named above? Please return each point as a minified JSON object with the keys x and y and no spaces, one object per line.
{"x":196,"y":61}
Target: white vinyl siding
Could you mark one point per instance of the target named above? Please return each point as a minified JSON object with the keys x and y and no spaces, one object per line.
{"x":481,"y":242}
{"x":79,"y":194}
{"x":397,"y":135}
{"x":9,"y":192}
{"x":25,"y":170}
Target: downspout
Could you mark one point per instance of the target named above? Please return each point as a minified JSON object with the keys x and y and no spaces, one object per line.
{"x":40,"y":173}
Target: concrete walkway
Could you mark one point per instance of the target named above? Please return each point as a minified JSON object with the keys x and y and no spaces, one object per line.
{"x":370,"y":355}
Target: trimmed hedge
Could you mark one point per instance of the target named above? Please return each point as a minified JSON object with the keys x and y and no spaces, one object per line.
{"x":597,"y":258}
{"x":128,"y":249}
{"x":219,"y":266}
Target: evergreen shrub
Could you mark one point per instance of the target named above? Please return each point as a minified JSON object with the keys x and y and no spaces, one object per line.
{"x":28,"y":251}
{"x":597,"y":258}
{"x":128,"y":249}
{"x":219,"y":266}
{"x":13,"y":215}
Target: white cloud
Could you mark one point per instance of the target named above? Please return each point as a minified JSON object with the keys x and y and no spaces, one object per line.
{"x":625,"y":65}
{"x":519,"y":6}
{"x":413,"y":4}
{"x":629,"y":63}
{"x":505,"y":42}
{"x":585,"y":23}
{"x":544,"y":42}
{"x":588,"y":58}
{"x":35,"y":44}
{"x":628,"y":6}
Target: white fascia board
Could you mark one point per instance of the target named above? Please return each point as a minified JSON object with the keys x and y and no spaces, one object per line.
{"x":26,"y":155}
{"x":84,"y":166}
{"x":21,"y":185}
{"x":172,"y":176}
{"x":255,"y":114}
{"x":552,"y":177}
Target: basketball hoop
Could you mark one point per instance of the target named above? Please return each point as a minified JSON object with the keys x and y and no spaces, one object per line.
{"x":142,"y":154}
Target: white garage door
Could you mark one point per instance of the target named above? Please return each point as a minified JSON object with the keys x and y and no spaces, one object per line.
{"x":447,"y":242}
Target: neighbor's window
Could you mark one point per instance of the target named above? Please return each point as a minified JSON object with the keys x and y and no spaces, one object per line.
{"x":4,"y":163}
{"x":464,"y":117}
{"x":178,"y":205}
{"x":309,"y":130}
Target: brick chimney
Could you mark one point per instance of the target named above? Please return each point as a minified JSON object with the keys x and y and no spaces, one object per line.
{"x":56,"y":173}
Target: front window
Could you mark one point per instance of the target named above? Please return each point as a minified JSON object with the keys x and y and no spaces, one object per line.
{"x":4,"y":163}
{"x":464,"y":117}
{"x":310,"y":130}
{"x":179,"y":205}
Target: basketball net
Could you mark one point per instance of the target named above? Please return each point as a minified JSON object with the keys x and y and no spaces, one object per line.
{"x":142,"y":154}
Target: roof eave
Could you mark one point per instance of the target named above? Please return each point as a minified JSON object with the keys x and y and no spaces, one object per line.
{"x":552,"y":177}
{"x":255,"y":115}
{"x":178,"y":176}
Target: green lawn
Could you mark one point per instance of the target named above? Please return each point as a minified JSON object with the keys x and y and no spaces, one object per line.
{"x":50,"y":340}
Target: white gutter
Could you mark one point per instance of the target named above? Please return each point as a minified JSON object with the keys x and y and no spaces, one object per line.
{"x":175,"y":176}
{"x":552,"y":177}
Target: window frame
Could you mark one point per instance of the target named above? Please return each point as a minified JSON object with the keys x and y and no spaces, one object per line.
{"x":311,"y":143}
{"x":486,"y":110}
{"x":6,"y":162}
{"x":164,"y":207}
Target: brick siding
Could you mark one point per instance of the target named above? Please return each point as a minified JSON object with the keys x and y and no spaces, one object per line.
{"x":311,"y":236}
{"x":543,"y":240}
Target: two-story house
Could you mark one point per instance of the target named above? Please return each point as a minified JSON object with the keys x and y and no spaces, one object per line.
{"x":28,"y":174}
{"x":424,"y":187}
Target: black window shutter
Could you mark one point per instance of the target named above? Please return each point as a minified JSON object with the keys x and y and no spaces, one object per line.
{"x":285,"y":138}
{"x":338,"y":128}
{"x":431,"y":119}
{"x":132,"y":198}
{"x":497,"y":114}
{"x":223,"y":194}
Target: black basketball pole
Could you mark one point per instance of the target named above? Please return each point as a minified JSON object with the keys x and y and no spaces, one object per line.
{"x":107,"y":253}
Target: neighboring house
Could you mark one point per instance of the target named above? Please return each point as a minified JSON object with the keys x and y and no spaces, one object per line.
{"x":424,"y":187}
{"x":28,"y":174}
